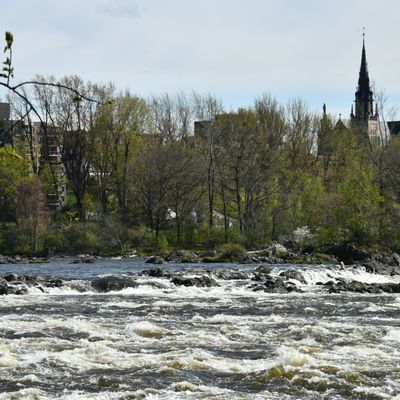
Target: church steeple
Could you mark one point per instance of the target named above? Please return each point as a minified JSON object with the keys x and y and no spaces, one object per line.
{"x":363,"y":120}
{"x":364,"y":108}
{"x":363,"y":79}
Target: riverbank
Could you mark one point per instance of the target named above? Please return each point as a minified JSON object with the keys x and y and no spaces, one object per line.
{"x":381,"y":261}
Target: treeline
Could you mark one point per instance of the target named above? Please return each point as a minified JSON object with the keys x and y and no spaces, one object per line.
{"x":139,"y":175}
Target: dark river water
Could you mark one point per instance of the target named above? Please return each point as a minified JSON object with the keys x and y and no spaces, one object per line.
{"x":162,"y":341}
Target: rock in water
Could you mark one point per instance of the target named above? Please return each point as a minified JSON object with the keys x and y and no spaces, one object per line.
{"x":155,"y":260}
{"x":272,"y":284}
{"x":396,"y":259}
{"x":157,"y":273}
{"x":85,"y":259}
{"x":4,"y":289}
{"x":293,"y":274}
{"x":200,"y":281}
{"x":19,"y":284}
{"x":113,"y":283}
{"x":263,"y":270}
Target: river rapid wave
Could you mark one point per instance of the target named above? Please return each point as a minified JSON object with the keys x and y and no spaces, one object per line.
{"x":120,"y":329}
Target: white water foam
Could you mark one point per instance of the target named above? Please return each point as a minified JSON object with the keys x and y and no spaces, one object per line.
{"x":393,"y":335}
{"x":359,"y":274}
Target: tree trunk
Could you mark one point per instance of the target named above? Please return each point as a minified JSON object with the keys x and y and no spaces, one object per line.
{"x":224,"y":210}
{"x":81,"y":209}
{"x":211,"y":182}
{"x":238,"y":203}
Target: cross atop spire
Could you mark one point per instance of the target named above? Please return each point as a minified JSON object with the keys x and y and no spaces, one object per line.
{"x":363,"y":35}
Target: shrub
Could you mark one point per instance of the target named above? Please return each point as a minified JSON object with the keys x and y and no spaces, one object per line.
{"x":142,"y":237}
{"x":145,"y":239}
{"x":8,"y":238}
{"x":82,"y":238}
{"x":53,"y":242}
{"x":215,"y":236}
{"x":231,"y":250}
{"x":210,"y":237}
{"x":162,"y":245}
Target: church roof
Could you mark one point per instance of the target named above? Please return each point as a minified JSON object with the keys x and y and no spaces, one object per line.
{"x":340,"y":126}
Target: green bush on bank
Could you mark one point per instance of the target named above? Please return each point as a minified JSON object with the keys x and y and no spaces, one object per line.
{"x":213,"y":237}
{"x":8,"y":239}
{"x":227,"y":252}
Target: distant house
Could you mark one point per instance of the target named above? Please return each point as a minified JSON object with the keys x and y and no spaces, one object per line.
{"x":40,"y":147}
{"x":5,"y":137}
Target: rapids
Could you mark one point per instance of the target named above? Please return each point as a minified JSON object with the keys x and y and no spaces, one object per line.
{"x":154,"y":339}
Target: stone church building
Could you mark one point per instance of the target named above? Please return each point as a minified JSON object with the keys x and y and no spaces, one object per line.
{"x":364,"y":117}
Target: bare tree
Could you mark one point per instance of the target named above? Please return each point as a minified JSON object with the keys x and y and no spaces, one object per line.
{"x":206,"y":110}
{"x":152,"y":183}
{"x":32,"y":212}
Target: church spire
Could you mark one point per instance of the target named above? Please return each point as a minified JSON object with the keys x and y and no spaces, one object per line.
{"x":363,"y":79}
{"x":364,"y":96}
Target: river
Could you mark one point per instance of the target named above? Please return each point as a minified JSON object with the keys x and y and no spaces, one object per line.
{"x":159,"y":340}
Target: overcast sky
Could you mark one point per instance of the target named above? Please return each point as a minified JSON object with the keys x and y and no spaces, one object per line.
{"x":235,"y":49}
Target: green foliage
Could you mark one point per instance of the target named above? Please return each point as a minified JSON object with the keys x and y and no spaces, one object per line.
{"x":81,"y":238}
{"x":8,"y":239}
{"x":8,"y":70}
{"x":162,"y":245}
{"x":213,"y":237}
{"x":13,"y":169}
{"x":310,"y":201}
{"x":360,"y":206}
{"x":227,"y":252}
{"x":31,"y":208}
{"x":231,"y":250}
{"x":145,"y":239}
{"x":142,"y":237}
{"x":9,"y":40}
{"x":54,"y":242}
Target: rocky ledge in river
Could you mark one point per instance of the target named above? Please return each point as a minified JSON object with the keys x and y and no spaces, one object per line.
{"x":20,"y":284}
{"x":84,"y":259}
{"x":359,"y":287}
{"x":375,"y":261}
{"x":179,"y":256}
{"x":22,"y":260}
{"x":262,"y":280}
